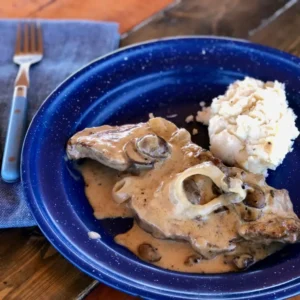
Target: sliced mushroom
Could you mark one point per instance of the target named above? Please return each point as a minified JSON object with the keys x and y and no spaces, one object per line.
{"x":255,"y":197}
{"x":145,"y":151}
{"x":152,"y":147}
{"x":149,"y":253}
{"x":200,"y":189}
{"x":243,"y":261}
{"x":193,"y":260}
{"x":134,"y":156}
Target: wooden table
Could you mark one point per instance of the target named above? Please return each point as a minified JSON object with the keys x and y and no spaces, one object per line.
{"x":29,"y":267}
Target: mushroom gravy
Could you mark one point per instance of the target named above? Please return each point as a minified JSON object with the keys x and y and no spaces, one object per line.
{"x":99,"y":182}
{"x":174,"y":255}
{"x":218,"y":219}
{"x":180,"y":256}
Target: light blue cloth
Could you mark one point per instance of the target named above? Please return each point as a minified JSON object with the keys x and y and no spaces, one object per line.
{"x":68,"y":45}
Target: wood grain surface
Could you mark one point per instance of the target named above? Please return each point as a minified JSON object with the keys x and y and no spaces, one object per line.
{"x":126,"y":12}
{"x":283,"y":32}
{"x":29,"y":267}
{"x":235,"y":18}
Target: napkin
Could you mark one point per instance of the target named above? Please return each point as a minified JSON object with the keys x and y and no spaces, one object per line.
{"x":68,"y":45}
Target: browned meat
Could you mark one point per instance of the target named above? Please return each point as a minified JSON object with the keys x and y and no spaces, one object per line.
{"x":283,"y":230}
{"x":119,"y":147}
{"x":182,"y":192}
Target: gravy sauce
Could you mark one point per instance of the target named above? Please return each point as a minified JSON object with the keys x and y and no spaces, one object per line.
{"x":177,"y":233}
{"x":99,"y":181}
{"x":173,"y":253}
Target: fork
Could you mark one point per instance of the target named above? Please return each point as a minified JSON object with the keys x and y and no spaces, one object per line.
{"x":28,"y":51}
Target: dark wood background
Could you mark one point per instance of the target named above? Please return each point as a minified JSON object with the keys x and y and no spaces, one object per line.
{"x":29,"y":267}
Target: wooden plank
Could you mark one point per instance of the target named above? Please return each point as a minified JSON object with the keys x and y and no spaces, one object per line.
{"x":103,"y":292}
{"x":30,"y":268}
{"x":208,"y":17}
{"x":128,"y":13}
{"x":21,"y":8}
{"x":282,"y":33}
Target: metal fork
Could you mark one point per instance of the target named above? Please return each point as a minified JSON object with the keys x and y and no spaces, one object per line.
{"x":28,"y":51}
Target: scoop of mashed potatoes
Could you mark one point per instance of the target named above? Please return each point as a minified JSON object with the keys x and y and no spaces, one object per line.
{"x":252,"y":126}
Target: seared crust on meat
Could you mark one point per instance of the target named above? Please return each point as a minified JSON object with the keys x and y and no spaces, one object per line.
{"x":272,"y":230}
{"x":177,"y":190}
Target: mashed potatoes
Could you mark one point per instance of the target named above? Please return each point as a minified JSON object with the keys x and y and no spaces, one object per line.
{"x":251,"y":126}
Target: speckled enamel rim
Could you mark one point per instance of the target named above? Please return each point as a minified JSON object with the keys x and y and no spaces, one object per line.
{"x":126,"y":284}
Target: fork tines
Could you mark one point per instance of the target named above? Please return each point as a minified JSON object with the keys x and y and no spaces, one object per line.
{"x":29,"y":38}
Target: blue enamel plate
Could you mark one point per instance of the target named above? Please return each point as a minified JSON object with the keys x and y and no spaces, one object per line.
{"x":164,"y":77}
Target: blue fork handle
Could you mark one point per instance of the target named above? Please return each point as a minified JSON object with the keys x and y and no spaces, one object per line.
{"x":10,"y":170}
